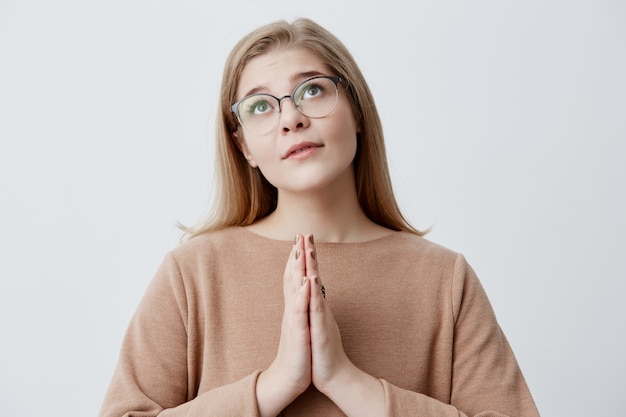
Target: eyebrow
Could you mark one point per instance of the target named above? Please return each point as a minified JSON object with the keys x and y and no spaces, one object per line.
{"x":299,"y":77}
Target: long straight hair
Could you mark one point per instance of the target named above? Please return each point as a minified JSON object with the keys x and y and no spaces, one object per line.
{"x":241,"y":194}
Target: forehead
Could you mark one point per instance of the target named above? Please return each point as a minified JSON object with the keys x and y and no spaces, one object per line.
{"x":279,"y":71}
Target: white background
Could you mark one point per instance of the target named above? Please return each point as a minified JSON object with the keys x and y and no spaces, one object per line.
{"x":505,"y":124}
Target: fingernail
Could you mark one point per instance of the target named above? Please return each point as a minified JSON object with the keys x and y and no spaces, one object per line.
{"x":303,"y":280}
{"x":295,"y":240}
{"x":313,"y":254}
{"x":297,"y":254}
{"x":311,"y":240}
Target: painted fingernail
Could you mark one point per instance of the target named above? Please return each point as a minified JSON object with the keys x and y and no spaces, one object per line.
{"x":311,"y":240}
{"x":313,"y":254}
{"x":297,"y":254}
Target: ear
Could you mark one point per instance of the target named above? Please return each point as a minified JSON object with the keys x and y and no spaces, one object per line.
{"x":243,"y":148}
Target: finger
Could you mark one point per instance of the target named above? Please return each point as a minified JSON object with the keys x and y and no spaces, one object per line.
{"x":311,"y":256}
{"x":303,"y":297}
{"x":320,"y":319}
{"x":317,"y":303}
{"x":295,"y":269}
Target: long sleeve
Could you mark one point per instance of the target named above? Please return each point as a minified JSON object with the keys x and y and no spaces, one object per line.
{"x":411,"y":313}
{"x":486,"y":379}
{"x":155,"y":376}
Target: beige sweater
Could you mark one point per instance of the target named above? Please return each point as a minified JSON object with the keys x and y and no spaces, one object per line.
{"x":411,"y":313}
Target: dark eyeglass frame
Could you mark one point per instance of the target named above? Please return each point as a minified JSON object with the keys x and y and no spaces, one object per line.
{"x":334,"y":78}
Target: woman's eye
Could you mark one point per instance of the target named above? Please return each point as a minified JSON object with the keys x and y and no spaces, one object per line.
{"x":259,"y":107}
{"x":312,"y":90}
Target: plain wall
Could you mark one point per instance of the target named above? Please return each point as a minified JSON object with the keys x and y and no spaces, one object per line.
{"x":505,"y":125}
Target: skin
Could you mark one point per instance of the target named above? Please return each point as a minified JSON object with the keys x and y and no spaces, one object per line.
{"x":316,"y":192}
{"x":335,"y":135}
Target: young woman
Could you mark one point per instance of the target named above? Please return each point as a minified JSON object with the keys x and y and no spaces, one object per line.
{"x":359,"y":315}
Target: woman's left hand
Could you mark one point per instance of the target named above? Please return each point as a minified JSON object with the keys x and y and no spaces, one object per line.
{"x":328,"y":358}
{"x":355,"y":392}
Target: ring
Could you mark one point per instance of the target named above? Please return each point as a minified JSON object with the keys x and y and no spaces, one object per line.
{"x":323,"y":289}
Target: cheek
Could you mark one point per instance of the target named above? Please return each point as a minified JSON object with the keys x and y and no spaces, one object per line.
{"x":346,"y":113}
{"x":349,"y":131}
{"x":247,"y":149}
{"x":258,"y":153}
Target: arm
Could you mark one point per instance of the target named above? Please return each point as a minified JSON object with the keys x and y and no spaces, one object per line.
{"x":485,"y":375}
{"x":152,"y":376}
{"x":486,"y":379}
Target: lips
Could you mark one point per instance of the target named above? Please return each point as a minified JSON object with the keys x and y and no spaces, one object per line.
{"x":300,"y":148}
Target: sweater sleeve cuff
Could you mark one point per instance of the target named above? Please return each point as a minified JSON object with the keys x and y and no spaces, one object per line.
{"x":231,"y":400}
{"x":401,"y":402}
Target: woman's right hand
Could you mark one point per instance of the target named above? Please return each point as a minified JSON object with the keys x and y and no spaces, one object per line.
{"x":289,"y":375}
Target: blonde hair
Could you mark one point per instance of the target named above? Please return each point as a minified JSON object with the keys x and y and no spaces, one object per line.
{"x":242,"y":194}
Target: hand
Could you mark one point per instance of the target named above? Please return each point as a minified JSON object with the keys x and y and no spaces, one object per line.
{"x":329,"y":360}
{"x":355,"y":392}
{"x":310,"y":348}
{"x":289,"y":375}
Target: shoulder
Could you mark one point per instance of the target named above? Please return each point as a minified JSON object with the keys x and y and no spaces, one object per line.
{"x":191,"y":258}
{"x":418,"y":246}
{"x":221,"y":241}
{"x":440,"y":263}
{"x":443,"y":267}
{"x":411,"y":256}
{"x":232,"y":247}
{"x":199,"y":260}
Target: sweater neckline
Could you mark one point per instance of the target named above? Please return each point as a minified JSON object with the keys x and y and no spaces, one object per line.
{"x":391,"y":235}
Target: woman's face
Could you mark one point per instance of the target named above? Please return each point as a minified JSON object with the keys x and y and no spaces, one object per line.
{"x":300,"y":153}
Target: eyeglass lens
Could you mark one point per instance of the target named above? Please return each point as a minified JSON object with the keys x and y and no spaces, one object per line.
{"x":315,"y":98}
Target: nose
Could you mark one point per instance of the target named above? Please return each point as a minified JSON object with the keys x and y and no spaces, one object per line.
{"x":291,"y":119}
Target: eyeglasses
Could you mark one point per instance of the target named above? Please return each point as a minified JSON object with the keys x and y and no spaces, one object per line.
{"x":315,"y":98}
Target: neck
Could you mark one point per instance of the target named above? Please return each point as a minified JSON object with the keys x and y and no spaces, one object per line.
{"x":331,"y":215}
